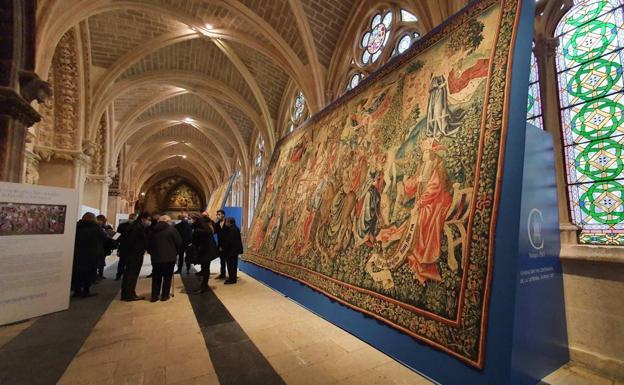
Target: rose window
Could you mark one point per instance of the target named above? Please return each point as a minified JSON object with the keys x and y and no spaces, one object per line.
{"x":375,"y":39}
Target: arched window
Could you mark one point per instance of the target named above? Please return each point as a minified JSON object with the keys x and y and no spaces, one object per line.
{"x":298,"y":112}
{"x":534,"y":107}
{"x":257,"y":176}
{"x":387,"y":32}
{"x":589,"y":67}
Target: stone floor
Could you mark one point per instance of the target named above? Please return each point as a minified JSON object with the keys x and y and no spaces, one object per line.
{"x":143,"y":343}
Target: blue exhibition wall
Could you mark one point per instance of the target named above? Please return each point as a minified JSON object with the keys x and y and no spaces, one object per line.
{"x":540,"y":335}
{"x":510,"y":303}
{"x":236,"y":213}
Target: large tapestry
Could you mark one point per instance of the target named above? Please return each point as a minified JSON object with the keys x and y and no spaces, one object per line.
{"x":183,"y":197}
{"x":386,"y":201}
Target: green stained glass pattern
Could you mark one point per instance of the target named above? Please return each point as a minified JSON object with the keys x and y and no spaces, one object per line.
{"x":591,"y":80}
{"x":590,"y":41}
{"x":600,"y":205}
{"x":589,"y":63}
{"x":613,"y":239}
{"x":585,"y":11}
{"x":594,"y":120}
{"x":595,"y":161}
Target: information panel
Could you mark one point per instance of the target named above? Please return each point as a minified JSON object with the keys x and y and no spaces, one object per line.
{"x":37,"y":231}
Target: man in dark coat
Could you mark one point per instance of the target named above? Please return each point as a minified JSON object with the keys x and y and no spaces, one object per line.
{"x":232,"y":247}
{"x":109,"y":245}
{"x":219,"y":226}
{"x":204,"y":242}
{"x":186,"y":233}
{"x":133,"y":248}
{"x":163,"y":244}
{"x":121,"y":229}
{"x":155,"y":216}
{"x":88,"y":252}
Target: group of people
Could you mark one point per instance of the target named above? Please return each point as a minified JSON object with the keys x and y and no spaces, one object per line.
{"x":198,"y":240}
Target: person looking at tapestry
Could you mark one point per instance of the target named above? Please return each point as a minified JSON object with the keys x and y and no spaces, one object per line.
{"x":133,"y":249}
{"x":163,"y":244}
{"x":232,"y":245}
{"x":88,"y":252}
{"x":219,"y":226}
{"x":121,"y":229}
{"x":186,"y":233}
{"x":203,"y":239}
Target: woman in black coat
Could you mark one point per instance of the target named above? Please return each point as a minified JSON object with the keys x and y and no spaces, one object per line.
{"x":232,"y":245}
{"x":163,"y":244}
{"x":204,"y":242}
{"x":88,"y":252}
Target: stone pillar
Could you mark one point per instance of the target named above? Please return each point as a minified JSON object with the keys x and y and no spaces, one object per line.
{"x":19,"y":86}
{"x":96,"y":192}
{"x":545,"y":51}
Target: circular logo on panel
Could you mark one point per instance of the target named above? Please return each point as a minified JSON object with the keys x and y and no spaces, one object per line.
{"x":534,"y":228}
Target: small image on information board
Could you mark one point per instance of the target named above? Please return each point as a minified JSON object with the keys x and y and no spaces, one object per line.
{"x":31,"y":218}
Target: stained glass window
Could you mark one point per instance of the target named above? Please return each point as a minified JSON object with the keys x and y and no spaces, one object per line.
{"x":534,"y":107}
{"x":354,"y":81}
{"x":298,"y":112}
{"x":589,"y":65}
{"x":391,"y":27}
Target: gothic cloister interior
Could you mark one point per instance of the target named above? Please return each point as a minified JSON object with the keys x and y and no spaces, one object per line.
{"x":152,"y":105}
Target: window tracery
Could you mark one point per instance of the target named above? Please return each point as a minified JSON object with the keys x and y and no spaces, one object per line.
{"x":298,"y":112}
{"x":388,"y":31}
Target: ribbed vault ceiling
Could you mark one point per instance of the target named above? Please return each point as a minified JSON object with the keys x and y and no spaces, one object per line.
{"x":204,"y":77}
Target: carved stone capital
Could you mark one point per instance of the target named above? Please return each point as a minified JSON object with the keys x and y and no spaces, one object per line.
{"x":33,"y":88}
{"x":46,"y":154}
{"x":88,"y":147}
{"x":99,"y":179}
{"x":546,"y":47}
{"x":112,"y":172}
{"x":81,"y":160}
{"x":17,"y":107}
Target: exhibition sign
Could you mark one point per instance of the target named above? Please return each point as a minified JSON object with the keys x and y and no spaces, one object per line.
{"x":387,"y":200}
{"x":37,"y":231}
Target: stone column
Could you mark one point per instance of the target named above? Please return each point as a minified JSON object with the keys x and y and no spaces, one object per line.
{"x":19,"y":86}
{"x":545,"y":51}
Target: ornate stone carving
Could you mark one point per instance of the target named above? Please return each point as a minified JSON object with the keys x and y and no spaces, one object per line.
{"x":99,"y":148}
{"x":44,"y":130}
{"x":47,"y":154}
{"x":31,"y":168}
{"x":33,"y":88}
{"x":66,"y":80}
